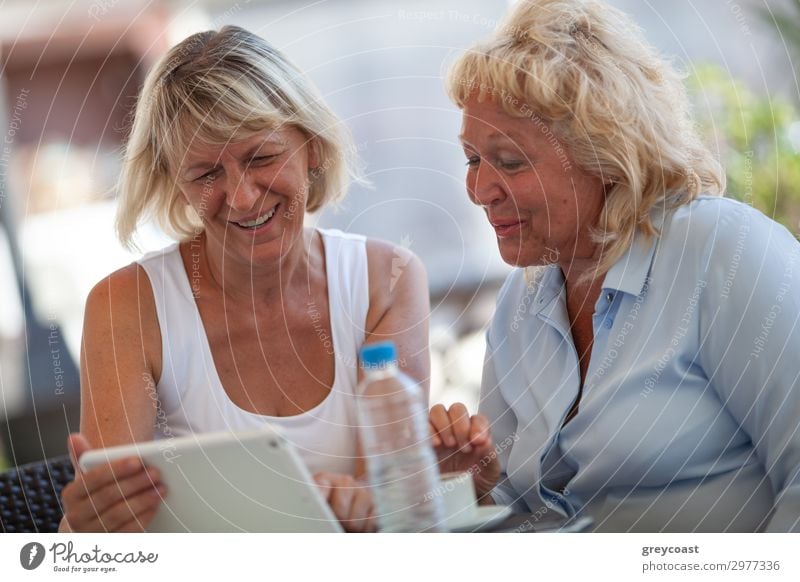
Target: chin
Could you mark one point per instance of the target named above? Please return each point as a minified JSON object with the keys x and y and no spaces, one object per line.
{"x":516,"y":256}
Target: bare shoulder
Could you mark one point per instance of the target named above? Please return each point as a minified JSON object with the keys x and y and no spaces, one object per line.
{"x":397,"y":280}
{"x":393,"y":270}
{"x":388,"y":263}
{"x":121,"y":308}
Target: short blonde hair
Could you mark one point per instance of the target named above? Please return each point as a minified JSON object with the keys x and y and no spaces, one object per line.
{"x":215,"y":87}
{"x":585,"y":70}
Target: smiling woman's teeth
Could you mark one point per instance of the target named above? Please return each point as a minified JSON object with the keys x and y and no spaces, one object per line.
{"x":258,"y":221}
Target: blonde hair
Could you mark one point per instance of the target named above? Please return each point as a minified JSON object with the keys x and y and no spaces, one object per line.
{"x":585,"y":70}
{"x":216,"y":87}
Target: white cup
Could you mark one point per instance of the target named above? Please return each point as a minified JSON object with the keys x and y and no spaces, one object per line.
{"x":458,"y":493}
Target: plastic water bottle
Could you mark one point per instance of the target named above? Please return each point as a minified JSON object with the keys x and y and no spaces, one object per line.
{"x":401,"y":464}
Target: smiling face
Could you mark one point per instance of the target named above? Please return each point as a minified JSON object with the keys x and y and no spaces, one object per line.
{"x":539,"y":202}
{"x":251,"y":194}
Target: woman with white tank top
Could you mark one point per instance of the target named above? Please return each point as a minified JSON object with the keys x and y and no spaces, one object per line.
{"x":251,"y":318}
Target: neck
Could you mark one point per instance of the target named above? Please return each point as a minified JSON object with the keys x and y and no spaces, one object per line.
{"x":581,"y":277}
{"x":242,"y":281}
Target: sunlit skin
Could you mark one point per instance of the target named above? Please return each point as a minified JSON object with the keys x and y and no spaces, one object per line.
{"x":261,"y":290}
{"x":539,"y":202}
{"x":241,"y":181}
{"x":542,"y":207}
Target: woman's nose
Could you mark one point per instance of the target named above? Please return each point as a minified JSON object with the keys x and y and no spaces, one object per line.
{"x":242,"y":191}
{"x":484,"y":185}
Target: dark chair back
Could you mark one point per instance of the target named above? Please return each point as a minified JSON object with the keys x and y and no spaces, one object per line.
{"x":30,"y":496}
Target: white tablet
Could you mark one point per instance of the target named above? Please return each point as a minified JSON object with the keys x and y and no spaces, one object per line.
{"x":229,"y":482}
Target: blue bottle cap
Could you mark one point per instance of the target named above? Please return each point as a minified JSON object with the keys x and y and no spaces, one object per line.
{"x":378,"y":355}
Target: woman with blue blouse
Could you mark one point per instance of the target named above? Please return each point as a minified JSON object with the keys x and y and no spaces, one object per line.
{"x":642,"y":365}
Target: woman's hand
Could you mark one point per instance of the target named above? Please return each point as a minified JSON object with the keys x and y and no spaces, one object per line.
{"x":119,"y":496}
{"x":350,"y":501}
{"x":464,"y":443}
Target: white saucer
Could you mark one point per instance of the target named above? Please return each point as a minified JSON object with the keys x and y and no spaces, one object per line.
{"x":485,"y":517}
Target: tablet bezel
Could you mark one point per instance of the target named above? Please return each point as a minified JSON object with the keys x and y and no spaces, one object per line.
{"x":263,"y":455}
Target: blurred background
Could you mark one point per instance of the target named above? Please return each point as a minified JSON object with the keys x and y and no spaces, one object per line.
{"x":69,"y":76}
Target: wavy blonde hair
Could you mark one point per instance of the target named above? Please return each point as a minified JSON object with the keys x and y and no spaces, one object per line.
{"x":621,"y":110}
{"x":215,"y":87}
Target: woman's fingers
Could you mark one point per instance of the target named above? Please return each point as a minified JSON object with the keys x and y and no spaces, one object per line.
{"x":339,"y":492}
{"x":113,"y":506}
{"x":77,"y":444}
{"x":107,"y":497}
{"x":440,"y":426}
{"x":460,"y":422}
{"x":323,"y":481}
{"x":91,"y":481}
{"x":122,"y":488}
{"x":361,"y":511}
{"x":479,"y":432}
{"x":454,"y":428}
{"x":350,"y":501}
{"x":129,"y":513}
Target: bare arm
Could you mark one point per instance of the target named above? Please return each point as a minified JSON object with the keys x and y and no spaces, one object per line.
{"x":120,"y":360}
{"x":120,"y":363}
{"x":400,"y":308}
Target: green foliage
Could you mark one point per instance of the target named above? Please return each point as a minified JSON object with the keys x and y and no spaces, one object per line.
{"x":751,"y":134}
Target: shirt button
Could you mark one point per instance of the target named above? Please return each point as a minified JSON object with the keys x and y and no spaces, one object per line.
{"x":609,"y":297}
{"x":609,"y":323}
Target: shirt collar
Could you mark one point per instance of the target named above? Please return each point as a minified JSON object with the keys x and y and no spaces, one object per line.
{"x":629,"y":273}
{"x":544,"y":285}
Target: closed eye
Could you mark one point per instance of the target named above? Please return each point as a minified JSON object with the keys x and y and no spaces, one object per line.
{"x":509,"y":164}
{"x":263,"y":160}
{"x":258,"y":159}
{"x":210,"y":175}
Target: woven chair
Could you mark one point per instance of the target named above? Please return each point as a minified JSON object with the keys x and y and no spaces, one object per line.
{"x":30,"y":496}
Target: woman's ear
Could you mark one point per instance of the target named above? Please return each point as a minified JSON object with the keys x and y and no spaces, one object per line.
{"x":314,"y":153}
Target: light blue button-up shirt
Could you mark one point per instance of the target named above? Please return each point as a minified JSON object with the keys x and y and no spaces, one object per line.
{"x":689,"y":418}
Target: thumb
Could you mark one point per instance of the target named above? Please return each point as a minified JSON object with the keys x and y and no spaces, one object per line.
{"x":77,"y":445}
{"x":324,"y":483}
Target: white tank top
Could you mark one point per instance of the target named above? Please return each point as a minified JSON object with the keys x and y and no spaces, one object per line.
{"x":190,"y":397}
